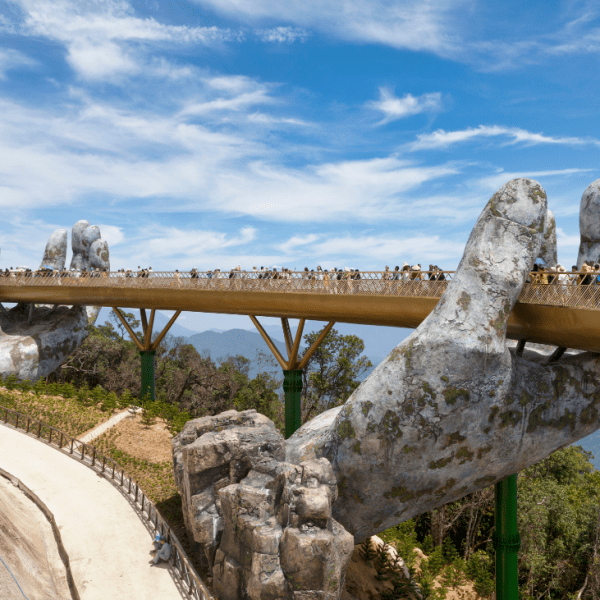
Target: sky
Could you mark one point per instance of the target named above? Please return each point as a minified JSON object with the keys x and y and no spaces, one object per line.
{"x":360,"y":133}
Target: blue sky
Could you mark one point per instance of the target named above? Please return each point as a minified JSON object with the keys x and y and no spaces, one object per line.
{"x":211,"y":133}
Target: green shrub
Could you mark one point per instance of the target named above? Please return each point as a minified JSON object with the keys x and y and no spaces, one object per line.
{"x":404,"y":538}
{"x":98,"y":395}
{"x":479,"y":569}
{"x":110,"y":402}
{"x":39,"y":387}
{"x":11,"y":382}
{"x":125,"y":399}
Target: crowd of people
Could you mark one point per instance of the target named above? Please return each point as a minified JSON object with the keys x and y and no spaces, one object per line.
{"x":540,"y":274}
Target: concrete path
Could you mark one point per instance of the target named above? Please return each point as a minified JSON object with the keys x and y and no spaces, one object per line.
{"x":98,"y":431}
{"x":107,"y":543}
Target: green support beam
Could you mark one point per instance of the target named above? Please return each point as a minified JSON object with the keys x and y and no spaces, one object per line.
{"x":506,"y":540}
{"x":292,"y":387}
{"x":148,"y":389}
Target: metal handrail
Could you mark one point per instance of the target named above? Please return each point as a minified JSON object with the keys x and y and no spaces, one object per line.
{"x":102,"y":464}
{"x":566,"y":288}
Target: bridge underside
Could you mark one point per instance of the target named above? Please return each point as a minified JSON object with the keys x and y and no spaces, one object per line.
{"x":563,"y":326}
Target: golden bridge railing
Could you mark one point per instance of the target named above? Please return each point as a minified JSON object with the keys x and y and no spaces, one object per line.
{"x":566,"y":289}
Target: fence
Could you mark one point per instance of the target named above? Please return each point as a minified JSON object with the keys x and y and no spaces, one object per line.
{"x":557,"y":289}
{"x":104,"y":465}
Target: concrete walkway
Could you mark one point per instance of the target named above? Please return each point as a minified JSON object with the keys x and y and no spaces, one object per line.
{"x":107,"y":543}
{"x":98,"y":431}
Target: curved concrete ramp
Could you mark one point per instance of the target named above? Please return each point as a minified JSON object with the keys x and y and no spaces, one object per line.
{"x":107,"y":544}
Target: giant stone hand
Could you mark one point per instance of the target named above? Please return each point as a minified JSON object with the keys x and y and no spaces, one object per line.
{"x":35,"y":341}
{"x":453,"y":409}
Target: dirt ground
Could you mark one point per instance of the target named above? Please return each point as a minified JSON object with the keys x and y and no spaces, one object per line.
{"x":152,"y":444}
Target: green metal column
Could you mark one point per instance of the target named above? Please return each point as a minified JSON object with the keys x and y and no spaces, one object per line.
{"x":506,"y":540}
{"x":292,"y":387}
{"x":148,"y":374}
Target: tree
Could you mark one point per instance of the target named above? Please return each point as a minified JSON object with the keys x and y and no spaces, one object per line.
{"x":149,"y":414}
{"x":110,"y":402}
{"x":129,"y":318}
{"x":125,"y":400}
{"x":260,"y":394}
{"x":332,"y":372}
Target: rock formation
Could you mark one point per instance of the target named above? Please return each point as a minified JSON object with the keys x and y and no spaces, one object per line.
{"x":34,"y":343}
{"x":451,"y":410}
{"x":265,"y":525}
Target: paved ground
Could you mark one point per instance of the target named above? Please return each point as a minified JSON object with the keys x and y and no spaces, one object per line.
{"x":28,"y":552}
{"x":107,"y":544}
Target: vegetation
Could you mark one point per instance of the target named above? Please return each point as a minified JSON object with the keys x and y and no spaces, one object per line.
{"x":559,"y":498}
{"x":332,"y":373}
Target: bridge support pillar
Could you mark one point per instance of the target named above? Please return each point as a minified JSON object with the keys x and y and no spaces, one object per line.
{"x":292,"y":387}
{"x":147,"y":348}
{"x":506,"y":539}
{"x":148,"y":391}
{"x":292,"y":368}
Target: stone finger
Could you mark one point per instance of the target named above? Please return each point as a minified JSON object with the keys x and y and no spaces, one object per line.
{"x":548,"y":251}
{"x":55,"y":253}
{"x":77,"y":244}
{"x":99,"y":255}
{"x":589,"y":224}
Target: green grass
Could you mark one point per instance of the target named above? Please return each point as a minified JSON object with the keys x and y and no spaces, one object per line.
{"x":66,"y":414}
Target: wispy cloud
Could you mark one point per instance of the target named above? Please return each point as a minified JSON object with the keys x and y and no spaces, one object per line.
{"x":11,"y":59}
{"x":441,"y":139}
{"x":394,"y":108}
{"x":412,"y":24}
{"x":283,"y":34}
{"x":103,"y":37}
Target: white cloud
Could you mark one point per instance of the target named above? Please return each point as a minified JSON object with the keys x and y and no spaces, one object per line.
{"x":563,"y":239}
{"x":112,"y":234}
{"x":298,"y":240}
{"x":443,"y":139}
{"x":494,"y":182}
{"x":412,"y":24}
{"x":11,"y":59}
{"x":395,"y":108}
{"x":360,"y":250}
{"x":269,"y":120}
{"x":282,"y":34}
{"x":98,"y":34}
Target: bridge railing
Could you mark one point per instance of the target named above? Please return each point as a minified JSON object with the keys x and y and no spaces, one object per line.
{"x":107,"y":467}
{"x":573,"y":289}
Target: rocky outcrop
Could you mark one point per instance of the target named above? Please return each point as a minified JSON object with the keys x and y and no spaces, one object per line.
{"x":265,"y":526}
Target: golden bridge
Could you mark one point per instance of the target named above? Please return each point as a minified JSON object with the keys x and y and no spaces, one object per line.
{"x":563,"y":314}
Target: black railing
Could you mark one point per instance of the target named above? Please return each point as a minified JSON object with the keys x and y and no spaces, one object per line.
{"x":105,"y":465}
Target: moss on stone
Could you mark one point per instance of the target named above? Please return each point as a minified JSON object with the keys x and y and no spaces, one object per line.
{"x":452,"y":394}
{"x":345,"y":430}
{"x":464,"y":455}
{"x":439,"y":464}
{"x":455,"y":438}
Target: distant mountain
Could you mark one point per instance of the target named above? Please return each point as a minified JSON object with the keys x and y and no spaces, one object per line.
{"x":234,"y":342}
{"x":160,"y":321}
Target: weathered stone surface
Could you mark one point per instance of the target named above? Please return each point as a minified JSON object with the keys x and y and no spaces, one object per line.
{"x":34,"y":348}
{"x":55,"y":254}
{"x":267,"y":530}
{"x":548,"y":251}
{"x":589,"y":224}
{"x":452,"y":409}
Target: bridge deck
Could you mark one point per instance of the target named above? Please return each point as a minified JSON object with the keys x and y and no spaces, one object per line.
{"x":560,"y":314}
